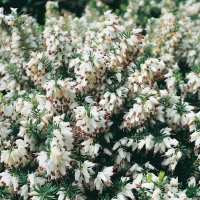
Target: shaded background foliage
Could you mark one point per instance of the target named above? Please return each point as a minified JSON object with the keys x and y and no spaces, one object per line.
{"x":36,"y":8}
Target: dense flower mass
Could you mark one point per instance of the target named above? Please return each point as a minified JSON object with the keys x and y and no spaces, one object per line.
{"x":99,"y":108}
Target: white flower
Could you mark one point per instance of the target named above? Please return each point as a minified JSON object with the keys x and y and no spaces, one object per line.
{"x":7,"y":110}
{"x":84,"y":172}
{"x":141,"y":110}
{"x":34,"y":179}
{"x":10,"y":180}
{"x":193,"y":83}
{"x":191,"y":181}
{"x":173,"y":158}
{"x":62,"y":196}
{"x":15,"y":156}
{"x":108,"y":136}
{"x":106,"y":151}
{"x":174,"y":181}
{"x":14,"y":10}
{"x":63,"y":136}
{"x":55,"y":162}
{"x":112,"y":102}
{"x":179,"y":115}
{"x":126,"y":191}
{"x":103,"y":179}
{"x":156,"y":193}
{"x":4,"y":130}
{"x":148,"y":185}
{"x":89,"y":121}
{"x":24,"y":191}
{"x":119,"y":77}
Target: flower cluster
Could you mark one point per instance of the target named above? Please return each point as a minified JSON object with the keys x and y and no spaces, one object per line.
{"x":95,"y":108}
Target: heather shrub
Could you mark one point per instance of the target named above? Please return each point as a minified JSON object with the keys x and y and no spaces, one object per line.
{"x":97,"y":107}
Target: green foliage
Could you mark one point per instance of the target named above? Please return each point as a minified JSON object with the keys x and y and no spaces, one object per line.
{"x":196,"y":69}
{"x":158,"y":135}
{"x":188,"y":168}
{"x":197,"y":123}
{"x":69,"y":190}
{"x":192,"y":191}
{"x":32,"y":128}
{"x":14,"y":72}
{"x":165,"y":101}
{"x":180,"y":107}
{"x":48,"y":191}
{"x":4,"y":193}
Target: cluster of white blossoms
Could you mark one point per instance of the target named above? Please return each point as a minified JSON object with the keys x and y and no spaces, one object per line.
{"x":97,"y":107}
{"x":142,"y":110}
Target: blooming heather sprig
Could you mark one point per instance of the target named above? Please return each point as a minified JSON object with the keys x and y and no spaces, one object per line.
{"x":90,"y":120}
{"x":193,"y":83}
{"x":57,"y":44}
{"x":152,"y":69}
{"x":143,"y":108}
{"x":112,"y":102}
{"x":15,"y":156}
{"x":54,"y":162}
{"x":194,"y":127}
{"x":173,"y":155}
{"x":39,"y":67}
{"x":179,"y":115}
{"x":126,"y":190}
{"x":62,"y":133}
{"x":10,"y":180}
{"x":59,"y":94}
{"x":5,"y":131}
{"x":84,"y":171}
{"x":103,"y":179}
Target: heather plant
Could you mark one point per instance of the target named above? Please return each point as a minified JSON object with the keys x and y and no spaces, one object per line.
{"x":94,"y":107}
